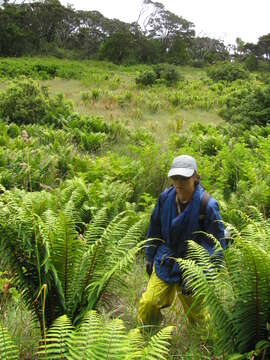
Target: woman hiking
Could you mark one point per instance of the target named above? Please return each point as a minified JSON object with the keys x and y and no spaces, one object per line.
{"x":182,"y":212}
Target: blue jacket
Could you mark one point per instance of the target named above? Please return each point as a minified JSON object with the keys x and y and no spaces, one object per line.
{"x":174,"y":230}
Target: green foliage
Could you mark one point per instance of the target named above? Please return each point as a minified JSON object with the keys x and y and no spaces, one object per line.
{"x":58,"y":257}
{"x":87,"y":180}
{"x":24,"y":102}
{"x":96,"y":339}
{"x":40,"y":68}
{"x":251,"y":62}
{"x":54,"y":345}
{"x":168,"y":73}
{"x":249,"y":106}
{"x":110,"y":48}
{"x":237,"y":295}
{"x":227,"y":72}
{"x":161,"y":73}
{"x":95,"y":94}
{"x":145,"y":78}
{"x":8,"y":351}
{"x":233,"y":164}
{"x":13,"y":131}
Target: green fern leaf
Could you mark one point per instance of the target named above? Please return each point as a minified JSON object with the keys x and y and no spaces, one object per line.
{"x":158,"y":346}
{"x":8,"y":350}
{"x":55,"y":344}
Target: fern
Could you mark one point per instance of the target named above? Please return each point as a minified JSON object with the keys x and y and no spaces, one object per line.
{"x":237,"y":295}
{"x":96,"y":339}
{"x":158,"y":345}
{"x":8,"y":350}
{"x":83,"y":340}
{"x":51,"y":250}
{"x":55,"y":344}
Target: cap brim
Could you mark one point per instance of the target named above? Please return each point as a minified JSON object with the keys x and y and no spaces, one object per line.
{"x":181,"y":172}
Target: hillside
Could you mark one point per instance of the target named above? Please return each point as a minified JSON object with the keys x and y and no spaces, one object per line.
{"x":85,"y":147}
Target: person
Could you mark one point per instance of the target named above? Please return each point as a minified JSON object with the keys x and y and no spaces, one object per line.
{"x":174,"y":220}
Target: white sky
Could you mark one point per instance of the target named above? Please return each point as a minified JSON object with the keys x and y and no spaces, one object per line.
{"x":221,"y":19}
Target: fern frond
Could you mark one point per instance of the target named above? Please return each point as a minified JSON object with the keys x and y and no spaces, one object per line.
{"x":55,"y":344}
{"x":96,"y":227}
{"x":112,"y":345}
{"x":97,"y":340}
{"x":67,"y":248}
{"x":82,"y":342}
{"x":130,"y":239}
{"x":120,"y":257}
{"x":251,"y":277}
{"x":158,"y":346}
{"x":83,"y":276}
{"x":135,"y":345}
{"x":199,"y":254}
{"x":8,"y":350}
{"x":204,"y":291}
{"x":116,"y":229}
{"x":237,"y":296}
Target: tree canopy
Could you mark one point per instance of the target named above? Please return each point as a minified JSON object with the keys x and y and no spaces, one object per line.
{"x":49,"y":28}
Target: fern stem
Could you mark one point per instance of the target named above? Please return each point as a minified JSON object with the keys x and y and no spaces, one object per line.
{"x":66,"y":263}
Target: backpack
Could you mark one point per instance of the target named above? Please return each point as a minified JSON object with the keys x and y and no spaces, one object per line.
{"x":202,"y":213}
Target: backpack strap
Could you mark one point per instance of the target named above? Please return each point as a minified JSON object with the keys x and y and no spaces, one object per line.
{"x":204,"y":200}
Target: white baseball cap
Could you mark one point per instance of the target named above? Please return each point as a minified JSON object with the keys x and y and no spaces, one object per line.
{"x":183,"y":165}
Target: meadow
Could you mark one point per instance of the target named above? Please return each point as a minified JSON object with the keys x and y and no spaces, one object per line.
{"x":84,"y":152}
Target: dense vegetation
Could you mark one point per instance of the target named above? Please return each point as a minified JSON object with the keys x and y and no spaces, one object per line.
{"x":76,"y":190}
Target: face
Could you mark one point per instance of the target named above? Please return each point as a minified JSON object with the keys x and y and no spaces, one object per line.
{"x":184,"y":187}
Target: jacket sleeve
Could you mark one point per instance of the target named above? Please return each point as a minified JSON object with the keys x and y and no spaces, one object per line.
{"x":154,"y":232}
{"x":213,"y":223}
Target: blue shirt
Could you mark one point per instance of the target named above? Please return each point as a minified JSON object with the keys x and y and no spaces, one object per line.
{"x":171,"y":231}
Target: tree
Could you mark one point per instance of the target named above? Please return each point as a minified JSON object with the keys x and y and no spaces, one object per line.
{"x":207,"y":50}
{"x":264,"y":46}
{"x":15,"y":37}
{"x":178,"y":52}
{"x":118,"y":47}
{"x":165,"y":25}
{"x":240,"y":47}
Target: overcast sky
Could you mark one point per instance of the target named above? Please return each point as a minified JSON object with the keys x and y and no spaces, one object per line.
{"x":221,"y":19}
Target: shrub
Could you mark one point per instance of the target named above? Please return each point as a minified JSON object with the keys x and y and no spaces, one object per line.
{"x":85,"y":96}
{"x":91,"y":141}
{"x":59,"y":109}
{"x":25,"y":102}
{"x":43,"y":240}
{"x":13,"y":131}
{"x":168,"y":73}
{"x":171,"y":75}
{"x":123,"y":99}
{"x":147,"y":77}
{"x":227,"y":72}
{"x":248,"y":107}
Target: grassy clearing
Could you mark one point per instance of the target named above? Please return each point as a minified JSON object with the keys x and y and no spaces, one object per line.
{"x":110,"y":91}
{"x":115,"y":96}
